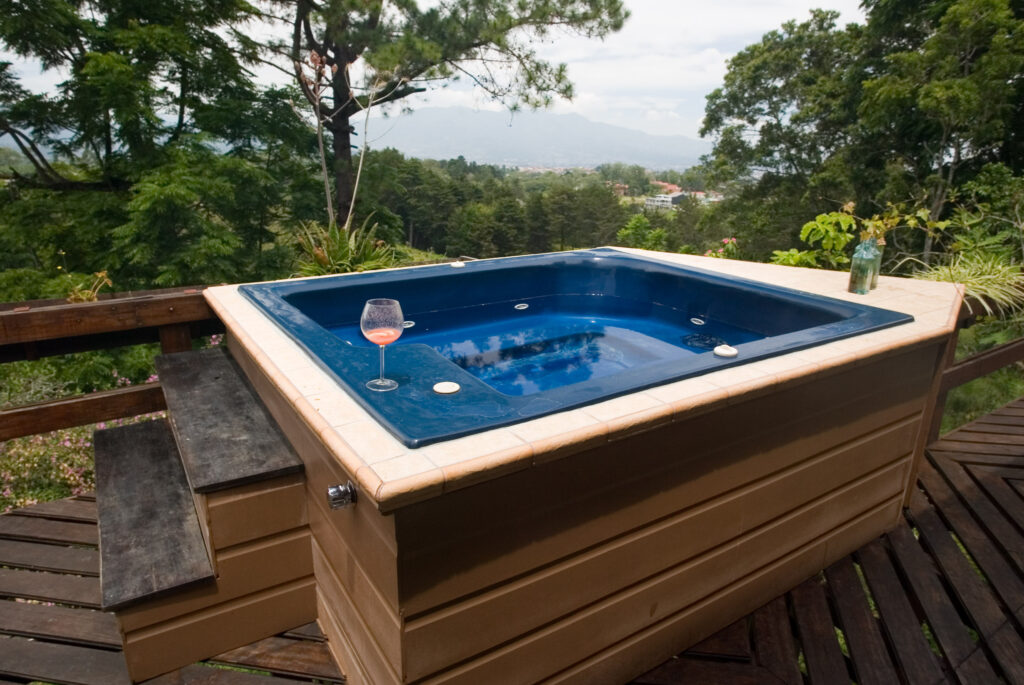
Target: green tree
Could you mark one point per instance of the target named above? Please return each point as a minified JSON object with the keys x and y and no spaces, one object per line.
{"x":782,"y":124}
{"x":638,"y":233}
{"x":150,"y":90}
{"x":136,"y":76}
{"x":538,"y":228}
{"x":900,"y":110}
{"x":401,"y":49}
{"x":949,"y":101}
{"x":509,"y":226}
{"x":471,"y":231}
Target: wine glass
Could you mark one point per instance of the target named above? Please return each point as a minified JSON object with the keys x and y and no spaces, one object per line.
{"x":381,"y":323}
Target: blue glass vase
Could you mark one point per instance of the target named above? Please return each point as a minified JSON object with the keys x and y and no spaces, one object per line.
{"x":863,"y":269}
{"x":879,"y":248}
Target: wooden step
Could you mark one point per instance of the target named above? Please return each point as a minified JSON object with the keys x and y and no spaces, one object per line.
{"x":150,"y":539}
{"x":225,"y":435}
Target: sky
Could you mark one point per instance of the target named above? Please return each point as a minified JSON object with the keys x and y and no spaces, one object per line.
{"x":654,"y":74}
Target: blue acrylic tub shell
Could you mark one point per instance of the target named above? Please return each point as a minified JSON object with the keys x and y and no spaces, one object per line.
{"x":322,"y":315}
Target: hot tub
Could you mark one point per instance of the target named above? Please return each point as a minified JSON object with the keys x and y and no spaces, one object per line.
{"x":535,"y":335}
{"x":591,"y":543}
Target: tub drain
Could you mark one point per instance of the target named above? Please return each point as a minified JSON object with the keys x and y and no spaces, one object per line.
{"x":702,"y":341}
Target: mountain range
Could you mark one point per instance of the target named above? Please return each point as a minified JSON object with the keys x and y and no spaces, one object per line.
{"x":528,"y":139}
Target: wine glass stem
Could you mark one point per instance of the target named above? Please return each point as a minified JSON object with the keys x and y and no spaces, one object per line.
{"x":381,"y":362}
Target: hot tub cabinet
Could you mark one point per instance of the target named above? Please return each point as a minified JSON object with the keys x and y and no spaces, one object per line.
{"x":590,"y":545}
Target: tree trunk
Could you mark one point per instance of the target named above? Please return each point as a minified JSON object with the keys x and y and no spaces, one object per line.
{"x":341,"y":148}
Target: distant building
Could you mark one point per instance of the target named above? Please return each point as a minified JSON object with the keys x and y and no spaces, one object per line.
{"x":666,"y":188}
{"x":664,"y":201}
{"x":671,"y":200}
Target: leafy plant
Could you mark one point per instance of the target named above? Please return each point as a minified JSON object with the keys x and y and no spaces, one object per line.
{"x":638,"y":233}
{"x":330,"y":250}
{"x":795,"y":257}
{"x":80,"y":292}
{"x":729,"y":250}
{"x":991,"y":279}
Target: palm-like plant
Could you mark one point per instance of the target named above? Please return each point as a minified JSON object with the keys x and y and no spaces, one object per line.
{"x":332,"y":250}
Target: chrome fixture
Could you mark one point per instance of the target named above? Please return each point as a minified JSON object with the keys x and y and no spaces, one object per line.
{"x":340,"y":496}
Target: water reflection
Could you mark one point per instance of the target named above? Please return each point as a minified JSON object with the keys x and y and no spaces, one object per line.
{"x":525,"y":362}
{"x":544,"y":348}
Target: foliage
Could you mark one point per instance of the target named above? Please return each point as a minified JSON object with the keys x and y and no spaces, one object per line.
{"x":80,"y":292}
{"x":330,"y":250}
{"x":902,"y":110}
{"x":638,"y":233}
{"x":989,"y":278}
{"x":729,"y":250}
{"x":834,"y":231}
{"x":154,"y":142}
{"x":135,"y":75}
{"x":950,"y":98}
{"x":52,"y":465}
{"x":635,"y":177}
{"x":795,"y":257}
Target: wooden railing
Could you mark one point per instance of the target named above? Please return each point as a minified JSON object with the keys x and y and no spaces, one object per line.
{"x":43,"y":328}
{"x":971,"y":368}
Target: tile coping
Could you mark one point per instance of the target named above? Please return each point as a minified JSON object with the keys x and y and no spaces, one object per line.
{"x":393,"y":475}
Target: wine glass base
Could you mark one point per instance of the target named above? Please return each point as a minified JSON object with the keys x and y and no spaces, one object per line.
{"x":381,"y":384}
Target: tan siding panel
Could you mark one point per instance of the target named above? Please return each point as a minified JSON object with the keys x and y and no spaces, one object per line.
{"x":466,"y":541}
{"x":166,"y":646}
{"x":243,"y":570}
{"x":380,"y":617}
{"x":457,"y":632}
{"x":257,"y":510}
{"x":646,"y":649}
{"x":380,"y":667}
{"x":638,"y":607}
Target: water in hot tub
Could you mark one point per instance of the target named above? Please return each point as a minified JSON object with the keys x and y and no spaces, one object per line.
{"x":532,"y":348}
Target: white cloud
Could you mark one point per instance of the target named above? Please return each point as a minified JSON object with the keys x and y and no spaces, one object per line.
{"x":654,"y":74}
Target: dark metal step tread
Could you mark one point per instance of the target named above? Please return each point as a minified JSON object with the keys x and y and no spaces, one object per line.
{"x":225,"y":434}
{"x":150,"y":540}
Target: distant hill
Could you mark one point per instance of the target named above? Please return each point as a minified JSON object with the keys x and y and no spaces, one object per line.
{"x":529,"y":139}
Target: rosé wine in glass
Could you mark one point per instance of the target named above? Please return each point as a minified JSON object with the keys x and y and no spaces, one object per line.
{"x":381,"y":324}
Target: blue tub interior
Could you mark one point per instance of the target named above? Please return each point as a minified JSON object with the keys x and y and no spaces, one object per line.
{"x":528,"y":336}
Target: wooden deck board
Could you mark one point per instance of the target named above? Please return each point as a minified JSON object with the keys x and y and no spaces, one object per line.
{"x":864,"y":639}
{"x":151,"y":542}
{"x":285,"y":657}
{"x":209,"y":401}
{"x":955,"y":565}
{"x":65,"y":624}
{"x":83,"y":561}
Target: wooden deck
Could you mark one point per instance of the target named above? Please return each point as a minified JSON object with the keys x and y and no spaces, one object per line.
{"x":939,"y":599}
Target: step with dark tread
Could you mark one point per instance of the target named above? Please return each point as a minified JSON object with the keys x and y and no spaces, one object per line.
{"x":225,"y":434}
{"x":150,"y":540}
